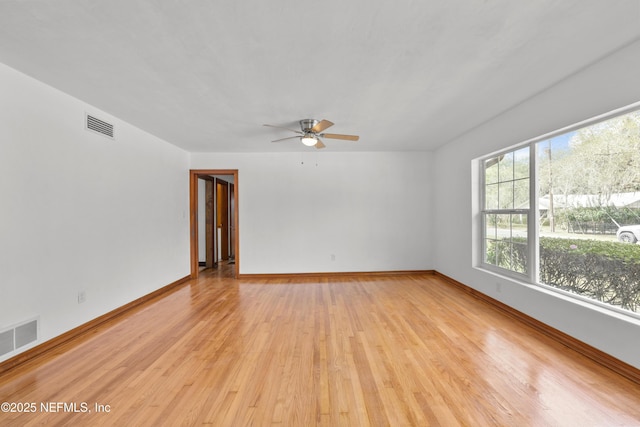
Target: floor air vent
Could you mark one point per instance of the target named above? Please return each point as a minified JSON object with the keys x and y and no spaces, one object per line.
{"x":99,"y":126}
{"x":18,"y":336}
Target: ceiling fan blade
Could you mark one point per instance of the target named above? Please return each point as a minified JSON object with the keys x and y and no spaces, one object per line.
{"x":338,"y":136}
{"x":321,"y":125}
{"x":282,"y":139}
{"x":280,"y":127}
{"x":319,"y":144}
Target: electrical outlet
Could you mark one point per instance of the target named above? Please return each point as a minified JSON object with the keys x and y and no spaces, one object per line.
{"x":82,"y":297}
{"x":333,"y":257}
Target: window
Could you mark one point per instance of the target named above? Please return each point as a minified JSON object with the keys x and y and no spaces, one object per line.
{"x":564,"y":211}
{"x":506,"y":210}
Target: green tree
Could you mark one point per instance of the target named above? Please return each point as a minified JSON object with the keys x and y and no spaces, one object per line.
{"x":605,"y":157}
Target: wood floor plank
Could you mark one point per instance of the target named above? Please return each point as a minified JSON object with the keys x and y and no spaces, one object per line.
{"x":351,"y":351}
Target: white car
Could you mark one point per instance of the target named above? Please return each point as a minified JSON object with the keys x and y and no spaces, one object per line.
{"x":629,"y":233}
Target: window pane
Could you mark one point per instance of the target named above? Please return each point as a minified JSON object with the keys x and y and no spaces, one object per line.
{"x":502,"y":190}
{"x":491,"y":170}
{"x":521,"y":163}
{"x":505,"y":195}
{"x":491,"y":196}
{"x":503,"y":224}
{"x":506,"y":241}
{"x":503,"y":258}
{"x":490,"y":252}
{"x":519,"y":257}
{"x":521,"y":194}
{"x":519,"y":227}
{"x":490,"y":229}
{"x":506,"y":167}
{"x":589,"y":191}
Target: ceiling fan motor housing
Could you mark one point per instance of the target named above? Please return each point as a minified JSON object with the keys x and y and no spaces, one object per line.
{"x":307,"y":124}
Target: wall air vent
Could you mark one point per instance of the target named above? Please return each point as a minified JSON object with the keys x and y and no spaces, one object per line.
{"x":18,"y":336}
{"x":99,"y":126}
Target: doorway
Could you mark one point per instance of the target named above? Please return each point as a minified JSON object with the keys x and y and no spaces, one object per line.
{"x":213,"y":205}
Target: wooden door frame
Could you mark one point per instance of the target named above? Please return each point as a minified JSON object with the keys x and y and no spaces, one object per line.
{"x":193,"y":216}
{"x":211,"y":260}
{"x":232,"y":190}
{"x":223,"y":218}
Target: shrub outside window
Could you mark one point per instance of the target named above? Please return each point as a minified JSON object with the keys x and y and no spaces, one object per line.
{"x":562,"y":211}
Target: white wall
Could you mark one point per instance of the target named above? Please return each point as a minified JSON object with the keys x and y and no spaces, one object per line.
{"x":81,"y":212}
{"x":611,"y":83}
{"x":370,"y":210}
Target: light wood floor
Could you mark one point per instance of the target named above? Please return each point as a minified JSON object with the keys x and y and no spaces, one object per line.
{"x":351,"y":351}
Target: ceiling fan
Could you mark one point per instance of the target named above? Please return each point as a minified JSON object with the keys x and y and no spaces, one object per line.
{"x":310,"y":133}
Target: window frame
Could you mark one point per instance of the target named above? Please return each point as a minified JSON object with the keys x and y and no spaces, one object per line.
{"x":532,"y":276}
{"x":484,"y":212}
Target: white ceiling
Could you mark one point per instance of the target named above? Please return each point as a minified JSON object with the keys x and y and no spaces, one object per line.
{"x":403,"y":74}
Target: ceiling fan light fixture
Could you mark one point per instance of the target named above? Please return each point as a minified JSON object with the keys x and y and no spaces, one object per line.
{"x":309,"y":140}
